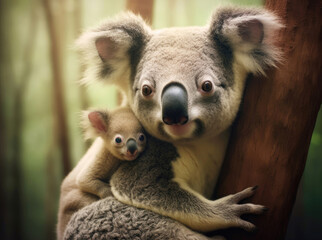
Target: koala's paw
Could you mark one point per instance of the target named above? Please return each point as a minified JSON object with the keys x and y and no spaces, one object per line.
{"x":232,"y":211}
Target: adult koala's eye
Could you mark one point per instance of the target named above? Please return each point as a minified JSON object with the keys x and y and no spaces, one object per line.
{"x":206,"y":86}
{"x":147,"y":90}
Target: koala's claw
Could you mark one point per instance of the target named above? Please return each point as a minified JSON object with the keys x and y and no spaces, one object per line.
{"x":246,"y":193}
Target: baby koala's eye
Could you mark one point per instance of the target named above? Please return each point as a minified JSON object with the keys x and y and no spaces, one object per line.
{"x":118,"y":140}
{"x":141,"y":137}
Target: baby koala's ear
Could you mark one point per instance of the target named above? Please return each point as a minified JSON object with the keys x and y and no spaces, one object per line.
{"x":94,"y":123}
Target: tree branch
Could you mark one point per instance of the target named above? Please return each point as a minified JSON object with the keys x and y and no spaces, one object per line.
{"x":58,"y":91}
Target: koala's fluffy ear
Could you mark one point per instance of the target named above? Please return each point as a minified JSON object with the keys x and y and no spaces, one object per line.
{"x":94,"y":123}
{"x":112,"y":50}
{"x":249,"y":33}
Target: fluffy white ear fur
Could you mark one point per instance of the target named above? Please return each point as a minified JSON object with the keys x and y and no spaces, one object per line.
{"x":119,"y":44}
{"x":115,"y":35}
{"x":250,"y":33}
{"x":94,"y":123}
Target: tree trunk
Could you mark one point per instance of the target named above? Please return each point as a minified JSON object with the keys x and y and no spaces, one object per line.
{"x":142,"y":7}
{"x":58,"y":90}
{"x":270,"y":140}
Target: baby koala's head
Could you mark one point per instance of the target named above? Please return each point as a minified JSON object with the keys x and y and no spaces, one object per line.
{"x":121,"y":131}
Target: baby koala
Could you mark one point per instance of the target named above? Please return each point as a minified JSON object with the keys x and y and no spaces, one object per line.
{"x":119,"y":137}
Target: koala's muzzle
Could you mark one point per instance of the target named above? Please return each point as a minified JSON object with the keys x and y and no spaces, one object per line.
{"x":174,"y":101}
{"x":131,"y":146}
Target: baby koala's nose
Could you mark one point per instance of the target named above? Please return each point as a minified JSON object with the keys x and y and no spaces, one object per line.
{"x":131,"y":146}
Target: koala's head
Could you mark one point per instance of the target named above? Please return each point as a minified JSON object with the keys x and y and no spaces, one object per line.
{"x":122,"y":133}
{"x":182,"y":83}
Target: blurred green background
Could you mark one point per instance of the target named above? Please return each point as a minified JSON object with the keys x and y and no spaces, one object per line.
{"x":31,"y":166}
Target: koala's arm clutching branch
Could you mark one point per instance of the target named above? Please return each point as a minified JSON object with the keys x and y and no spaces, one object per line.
{"x":150,"y":184}
{"x":109,"y":218}
{"x":197,"y":212}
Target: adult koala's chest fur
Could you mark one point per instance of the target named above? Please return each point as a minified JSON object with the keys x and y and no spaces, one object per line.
{"x":184,"y":84}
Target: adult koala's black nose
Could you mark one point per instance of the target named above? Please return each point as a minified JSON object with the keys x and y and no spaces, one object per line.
{"x":174,"y":101}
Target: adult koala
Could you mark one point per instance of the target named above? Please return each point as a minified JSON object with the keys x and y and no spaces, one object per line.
{"x":185,"y":86}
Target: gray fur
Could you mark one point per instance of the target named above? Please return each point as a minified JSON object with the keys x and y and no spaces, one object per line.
{"x":173,"y":178}
{"x":148,"y":181}
{"x":114,"y":220}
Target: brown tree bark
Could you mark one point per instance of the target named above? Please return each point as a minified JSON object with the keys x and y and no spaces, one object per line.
{"x":58,"y":90}
{"x":142,"y":7}
{"x":270,"y":140}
